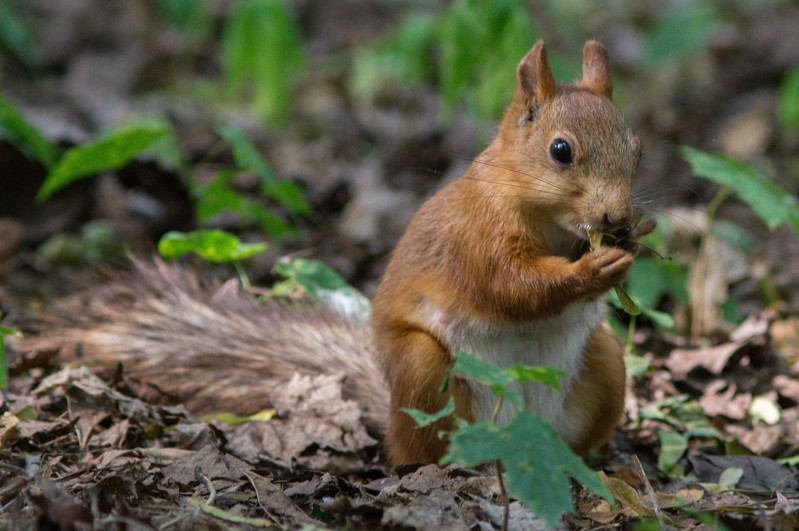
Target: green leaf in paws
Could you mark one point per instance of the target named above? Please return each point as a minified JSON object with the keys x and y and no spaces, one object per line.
{"x":627,"y":302}
{"x":594,"y":238}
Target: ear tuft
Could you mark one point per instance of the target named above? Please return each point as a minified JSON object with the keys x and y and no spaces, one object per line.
{"x":596,"y":70}
{"x":534,"y":79}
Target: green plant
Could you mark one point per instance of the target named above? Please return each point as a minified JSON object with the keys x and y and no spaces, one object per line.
{"x":213,"y":245}
{"x":16,"y":36}
{"x":402,"y":56}
{"x":481,"y":44}
{"x":788,"y":101}
{"x":97,"y":241}
{"x":537,"y":463}
{"x":263,"y":53}
{"x":111,"y":152}
{"x":773,"y":205}
{"x":219,"y":196}
{"x":25,"y":137}
{"x":314,"y":280}
{"x":307,"y":278}
{"x":190,"y":16}
{"x":120,"y":146}
{"x":3,"y":368}
{"x":679,"y":31}
{"x":470,"y":49}
{"x":688,"y":420}
{"x":653,"y":278}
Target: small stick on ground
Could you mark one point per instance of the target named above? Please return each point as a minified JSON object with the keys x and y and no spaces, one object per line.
{"x":639,"y":469}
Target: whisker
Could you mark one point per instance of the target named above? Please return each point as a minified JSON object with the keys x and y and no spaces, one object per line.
{"x":704,"y":234}
{"x":515,"y":185}
{"x":649,"y":194}
{"x":530,"y":175}
{"x":655,"y":251}
{"x":513,"y":170}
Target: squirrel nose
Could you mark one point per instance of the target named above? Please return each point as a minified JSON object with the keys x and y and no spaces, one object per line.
{"x":616,"y":222}
{"x":623,"y":233}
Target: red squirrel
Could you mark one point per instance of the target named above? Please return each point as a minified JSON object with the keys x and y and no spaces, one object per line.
{"x":496,"y":264}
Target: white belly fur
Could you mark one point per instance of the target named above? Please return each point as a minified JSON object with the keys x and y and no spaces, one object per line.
{"x":556,"y":342}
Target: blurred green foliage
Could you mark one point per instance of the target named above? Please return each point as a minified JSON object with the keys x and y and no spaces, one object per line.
{"x":220,"y":195}
{"x":188,"y":15}
{"x":263,"y":53}
{"x":118,"y":147}
{"x":110,"y":152}
{"x":3,"y":368}
{"x":24,"y":136}
{"x":680,"y":31}
{"x":98,"y":241}
{"x":773,"y":205}
{"x":788,"y":101}
{"x":15,"y":35}
{"x":470,"y":49}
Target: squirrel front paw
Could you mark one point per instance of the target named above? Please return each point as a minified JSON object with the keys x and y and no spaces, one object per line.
{"x":604,"y":268}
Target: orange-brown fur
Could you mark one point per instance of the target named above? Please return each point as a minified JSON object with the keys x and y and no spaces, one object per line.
{"x":505,"y":243}
{"x":599,"y":393}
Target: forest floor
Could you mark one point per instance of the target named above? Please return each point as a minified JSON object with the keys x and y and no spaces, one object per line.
{"x":710,"y":435}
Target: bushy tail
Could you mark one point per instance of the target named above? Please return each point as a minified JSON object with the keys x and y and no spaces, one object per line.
{"x":212,"y":348}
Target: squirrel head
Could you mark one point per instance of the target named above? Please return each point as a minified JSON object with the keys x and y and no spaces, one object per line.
{"x":568,"y":146}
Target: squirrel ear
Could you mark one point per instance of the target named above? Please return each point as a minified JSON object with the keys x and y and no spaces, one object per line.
{"x":596,"y":69}
{"x":534,"y":78}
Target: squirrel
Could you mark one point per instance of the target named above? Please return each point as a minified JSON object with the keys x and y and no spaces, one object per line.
{"x":496,"y":263}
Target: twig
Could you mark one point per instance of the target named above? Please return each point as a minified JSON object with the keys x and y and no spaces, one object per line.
{"x":206,"y":481}
{"x":502,"y":489}
{"x":505,"y":498}
{"x":497,"y":409}
{"x":243,"y":278}
{"x":639,"y":469}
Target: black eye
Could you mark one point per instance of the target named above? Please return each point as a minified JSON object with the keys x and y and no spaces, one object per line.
{"x":561,"y":151}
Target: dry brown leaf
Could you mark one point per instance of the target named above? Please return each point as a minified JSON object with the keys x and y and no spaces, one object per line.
{"x":785,"y":335}
{"x":631,"y":503}
{"x":316,"y":427}
{"x":786,"y":386}
{"x":274,"y":501}
{"x":761,"y":438}
{"x":681,"y":362}
{"x":722,"y":399}
{"x":58,"y":506}
{"x":760,"y":473}
{"x":681,"y":498}
{"x":152,"y":456}
{"x":8,"y":428}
